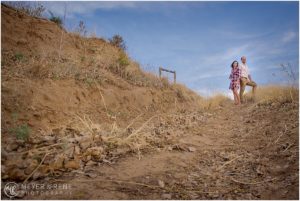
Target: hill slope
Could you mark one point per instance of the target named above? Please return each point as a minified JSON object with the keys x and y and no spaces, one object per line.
{"x":49,"y":75}
{"x":60,"y":85}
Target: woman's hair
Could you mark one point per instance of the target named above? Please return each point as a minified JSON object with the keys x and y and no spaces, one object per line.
{"x":233,"y":63}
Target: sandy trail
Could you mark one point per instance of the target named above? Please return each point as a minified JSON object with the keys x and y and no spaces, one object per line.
{"x":217,"y":159}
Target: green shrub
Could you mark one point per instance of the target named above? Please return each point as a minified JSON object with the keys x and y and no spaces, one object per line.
{"x":55,"y":19}
{"x":18,"y":56}
{"x":89,"y":81}
{"x":22,"y":132}
{"x":123,"y":60}
{"x":118,"y":41}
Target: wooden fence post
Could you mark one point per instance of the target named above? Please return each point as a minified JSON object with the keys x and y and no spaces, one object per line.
{"x":169,"y":71}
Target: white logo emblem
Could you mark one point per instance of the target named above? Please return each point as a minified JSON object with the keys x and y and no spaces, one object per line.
{"x":10,"y":189}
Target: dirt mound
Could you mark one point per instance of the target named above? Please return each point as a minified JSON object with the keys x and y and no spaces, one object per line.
{"x":55,"y":82}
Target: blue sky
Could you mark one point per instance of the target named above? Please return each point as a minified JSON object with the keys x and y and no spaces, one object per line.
{"x":198,"y":39}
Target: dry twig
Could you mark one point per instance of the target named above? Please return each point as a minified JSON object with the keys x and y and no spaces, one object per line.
{"x":251,"y":183}
{"x":140,"y":128}
{"x":281,"y":134}
{"x":36,"y":149}
{"x":228,"y":162}
{"x":36,"y":168}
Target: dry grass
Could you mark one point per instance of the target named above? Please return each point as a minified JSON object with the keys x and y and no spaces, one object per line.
{"x":216,"y":101}
{"x":265,"y":95}
{"x":114,"y":136}
{"x":276,"y":94}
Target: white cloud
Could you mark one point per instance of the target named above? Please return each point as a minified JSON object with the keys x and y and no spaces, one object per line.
{"x":86,"y":8}
{"x":288,"y":36}
{"x":218,"y":64}
{"x":228,"y":55}
{"x":243,"y":35}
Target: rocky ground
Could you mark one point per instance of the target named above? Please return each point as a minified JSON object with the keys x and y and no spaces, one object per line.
{"x":246,"y":152}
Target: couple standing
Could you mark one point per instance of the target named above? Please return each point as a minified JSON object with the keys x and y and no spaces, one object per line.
{"x":240,"y":77}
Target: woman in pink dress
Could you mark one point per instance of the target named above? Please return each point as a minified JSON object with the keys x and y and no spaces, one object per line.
{"x":235,"y":81}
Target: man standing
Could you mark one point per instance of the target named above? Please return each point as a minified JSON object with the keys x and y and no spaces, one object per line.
{"x":246,"y":78}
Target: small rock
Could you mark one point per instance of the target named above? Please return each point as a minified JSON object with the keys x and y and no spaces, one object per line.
{"x":273,"y":104}
{"x":259,"y":170}
{"x":106,"y":161}
{"x":91,"y":163}
{"x":88,"y":158}
{"x":85,"y":145}
{"x":191,"y":149}
{"x":161,"y":183}
{"x":166,"y":196}
{"x":37,"y":175}
{"x":49,"y":139}
{"x":58,"y":162}
{"x":215,"y":195}
{"x":76,"y":150}
{"x":71,"y":140}
{"x":94,"y":151}
{"x":90,"y":174}
{"x":193,"y":196}
{"x":12,"y":147}
{"x":69,"y":151}
{"x":35,"y":140}
{"x":72,"y":164}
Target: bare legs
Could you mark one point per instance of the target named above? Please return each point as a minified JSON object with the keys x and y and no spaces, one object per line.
{"x":236,"y":96}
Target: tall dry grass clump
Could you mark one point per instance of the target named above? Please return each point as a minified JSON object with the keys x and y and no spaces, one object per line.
{"x":216,"y":101}
{"x":277,"y":94}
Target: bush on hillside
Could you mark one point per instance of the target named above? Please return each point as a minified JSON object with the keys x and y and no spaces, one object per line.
{"x":118,"y":41}
{"x":55,"y":19}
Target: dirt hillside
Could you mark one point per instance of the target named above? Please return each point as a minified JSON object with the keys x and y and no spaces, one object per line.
{"x":49,"y":77}
{"x":78,"y":111}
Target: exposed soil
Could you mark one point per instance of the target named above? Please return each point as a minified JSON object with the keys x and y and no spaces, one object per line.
{"x":233,"y":153}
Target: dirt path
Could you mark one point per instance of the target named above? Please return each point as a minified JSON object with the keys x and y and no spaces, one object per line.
{"x":227,"y":156}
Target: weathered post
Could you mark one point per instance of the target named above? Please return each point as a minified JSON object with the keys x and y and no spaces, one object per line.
{"x":169,"y":71}
{"x":160,"y":72}
{"x":174,"y":77}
